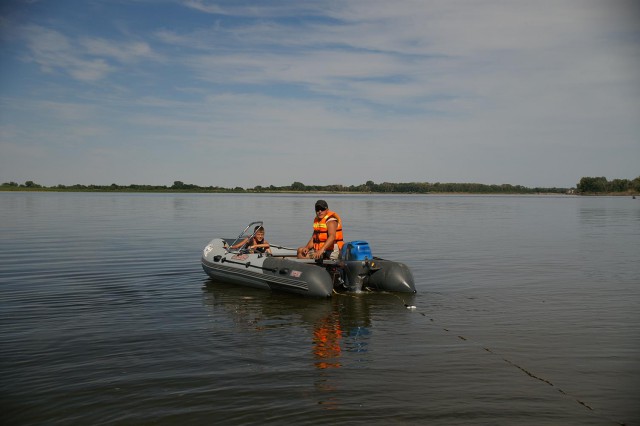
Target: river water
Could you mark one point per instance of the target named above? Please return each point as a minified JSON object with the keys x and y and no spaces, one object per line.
{"x":527,"y":313}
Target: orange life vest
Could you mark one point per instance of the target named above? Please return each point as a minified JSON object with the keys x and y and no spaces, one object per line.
{"x":320,"y":233}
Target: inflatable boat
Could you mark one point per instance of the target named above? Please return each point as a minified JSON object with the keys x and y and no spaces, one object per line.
{"x":355,"y":270}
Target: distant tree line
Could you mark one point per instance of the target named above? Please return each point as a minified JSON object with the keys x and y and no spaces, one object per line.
{"x":600,"y":185}
{"x":176,"y":187}
{"x":417,"y":188}
{"x":587,"y":185}
{"x":27,"y":184}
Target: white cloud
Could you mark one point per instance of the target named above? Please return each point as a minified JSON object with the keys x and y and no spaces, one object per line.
{"x":490,"y":91}
{"x":122,"y":52}
{"x":54,"y":52}
{"x":86,"y":59}
{"x":269,"y":9}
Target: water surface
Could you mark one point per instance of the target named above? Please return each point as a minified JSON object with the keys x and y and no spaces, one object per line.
{"x":526,"y":313}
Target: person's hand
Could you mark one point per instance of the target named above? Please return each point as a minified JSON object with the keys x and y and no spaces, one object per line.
{"x":305,"y":252}
{"x":318,"y":254}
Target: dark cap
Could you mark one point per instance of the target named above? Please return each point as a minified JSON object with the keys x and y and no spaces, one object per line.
{"x":323,"y":204}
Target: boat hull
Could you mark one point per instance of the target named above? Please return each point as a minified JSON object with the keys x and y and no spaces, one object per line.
{"x":284,"y":272}
{"x":266,"y":272}
{"x":378,"y":275}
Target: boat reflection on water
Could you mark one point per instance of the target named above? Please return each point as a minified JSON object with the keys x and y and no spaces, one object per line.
{"x":327,"y":338}
{"x":256,"y":310}
{"x":337,"y":325}
{"x":347,"y":328}
{"x":338,"y":331}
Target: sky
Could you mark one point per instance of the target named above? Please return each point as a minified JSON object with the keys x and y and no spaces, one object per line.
{"x":245,"y":93}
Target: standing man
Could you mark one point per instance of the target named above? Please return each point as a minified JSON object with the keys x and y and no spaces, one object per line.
{"x":326,"y":240}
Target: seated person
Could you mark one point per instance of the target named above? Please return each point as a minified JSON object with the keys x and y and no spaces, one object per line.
{"x":257,"y":243}
{"x":326,"y":240}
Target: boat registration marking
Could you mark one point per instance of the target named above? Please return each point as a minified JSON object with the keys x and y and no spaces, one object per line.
{"x":240,"y":257}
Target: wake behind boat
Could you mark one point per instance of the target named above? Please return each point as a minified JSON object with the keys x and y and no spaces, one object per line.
{"x":355,"y":270}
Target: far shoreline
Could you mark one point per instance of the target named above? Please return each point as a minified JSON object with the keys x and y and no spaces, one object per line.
{"x":587,"y":186}
{"x":251,"y":191}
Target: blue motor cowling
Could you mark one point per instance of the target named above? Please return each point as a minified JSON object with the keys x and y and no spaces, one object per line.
{"x":356,"y":250}
{"x":355,"y":260}
{"x":361,"y":270}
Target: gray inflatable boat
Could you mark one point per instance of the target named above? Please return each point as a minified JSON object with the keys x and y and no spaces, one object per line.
{"x":355,"y":270}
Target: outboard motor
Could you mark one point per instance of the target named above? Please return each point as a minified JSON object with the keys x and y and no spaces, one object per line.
{"x":361,"y":270}
{"x":356,"y":259}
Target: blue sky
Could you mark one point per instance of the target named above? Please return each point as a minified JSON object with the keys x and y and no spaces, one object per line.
{"x":246,"y":93}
